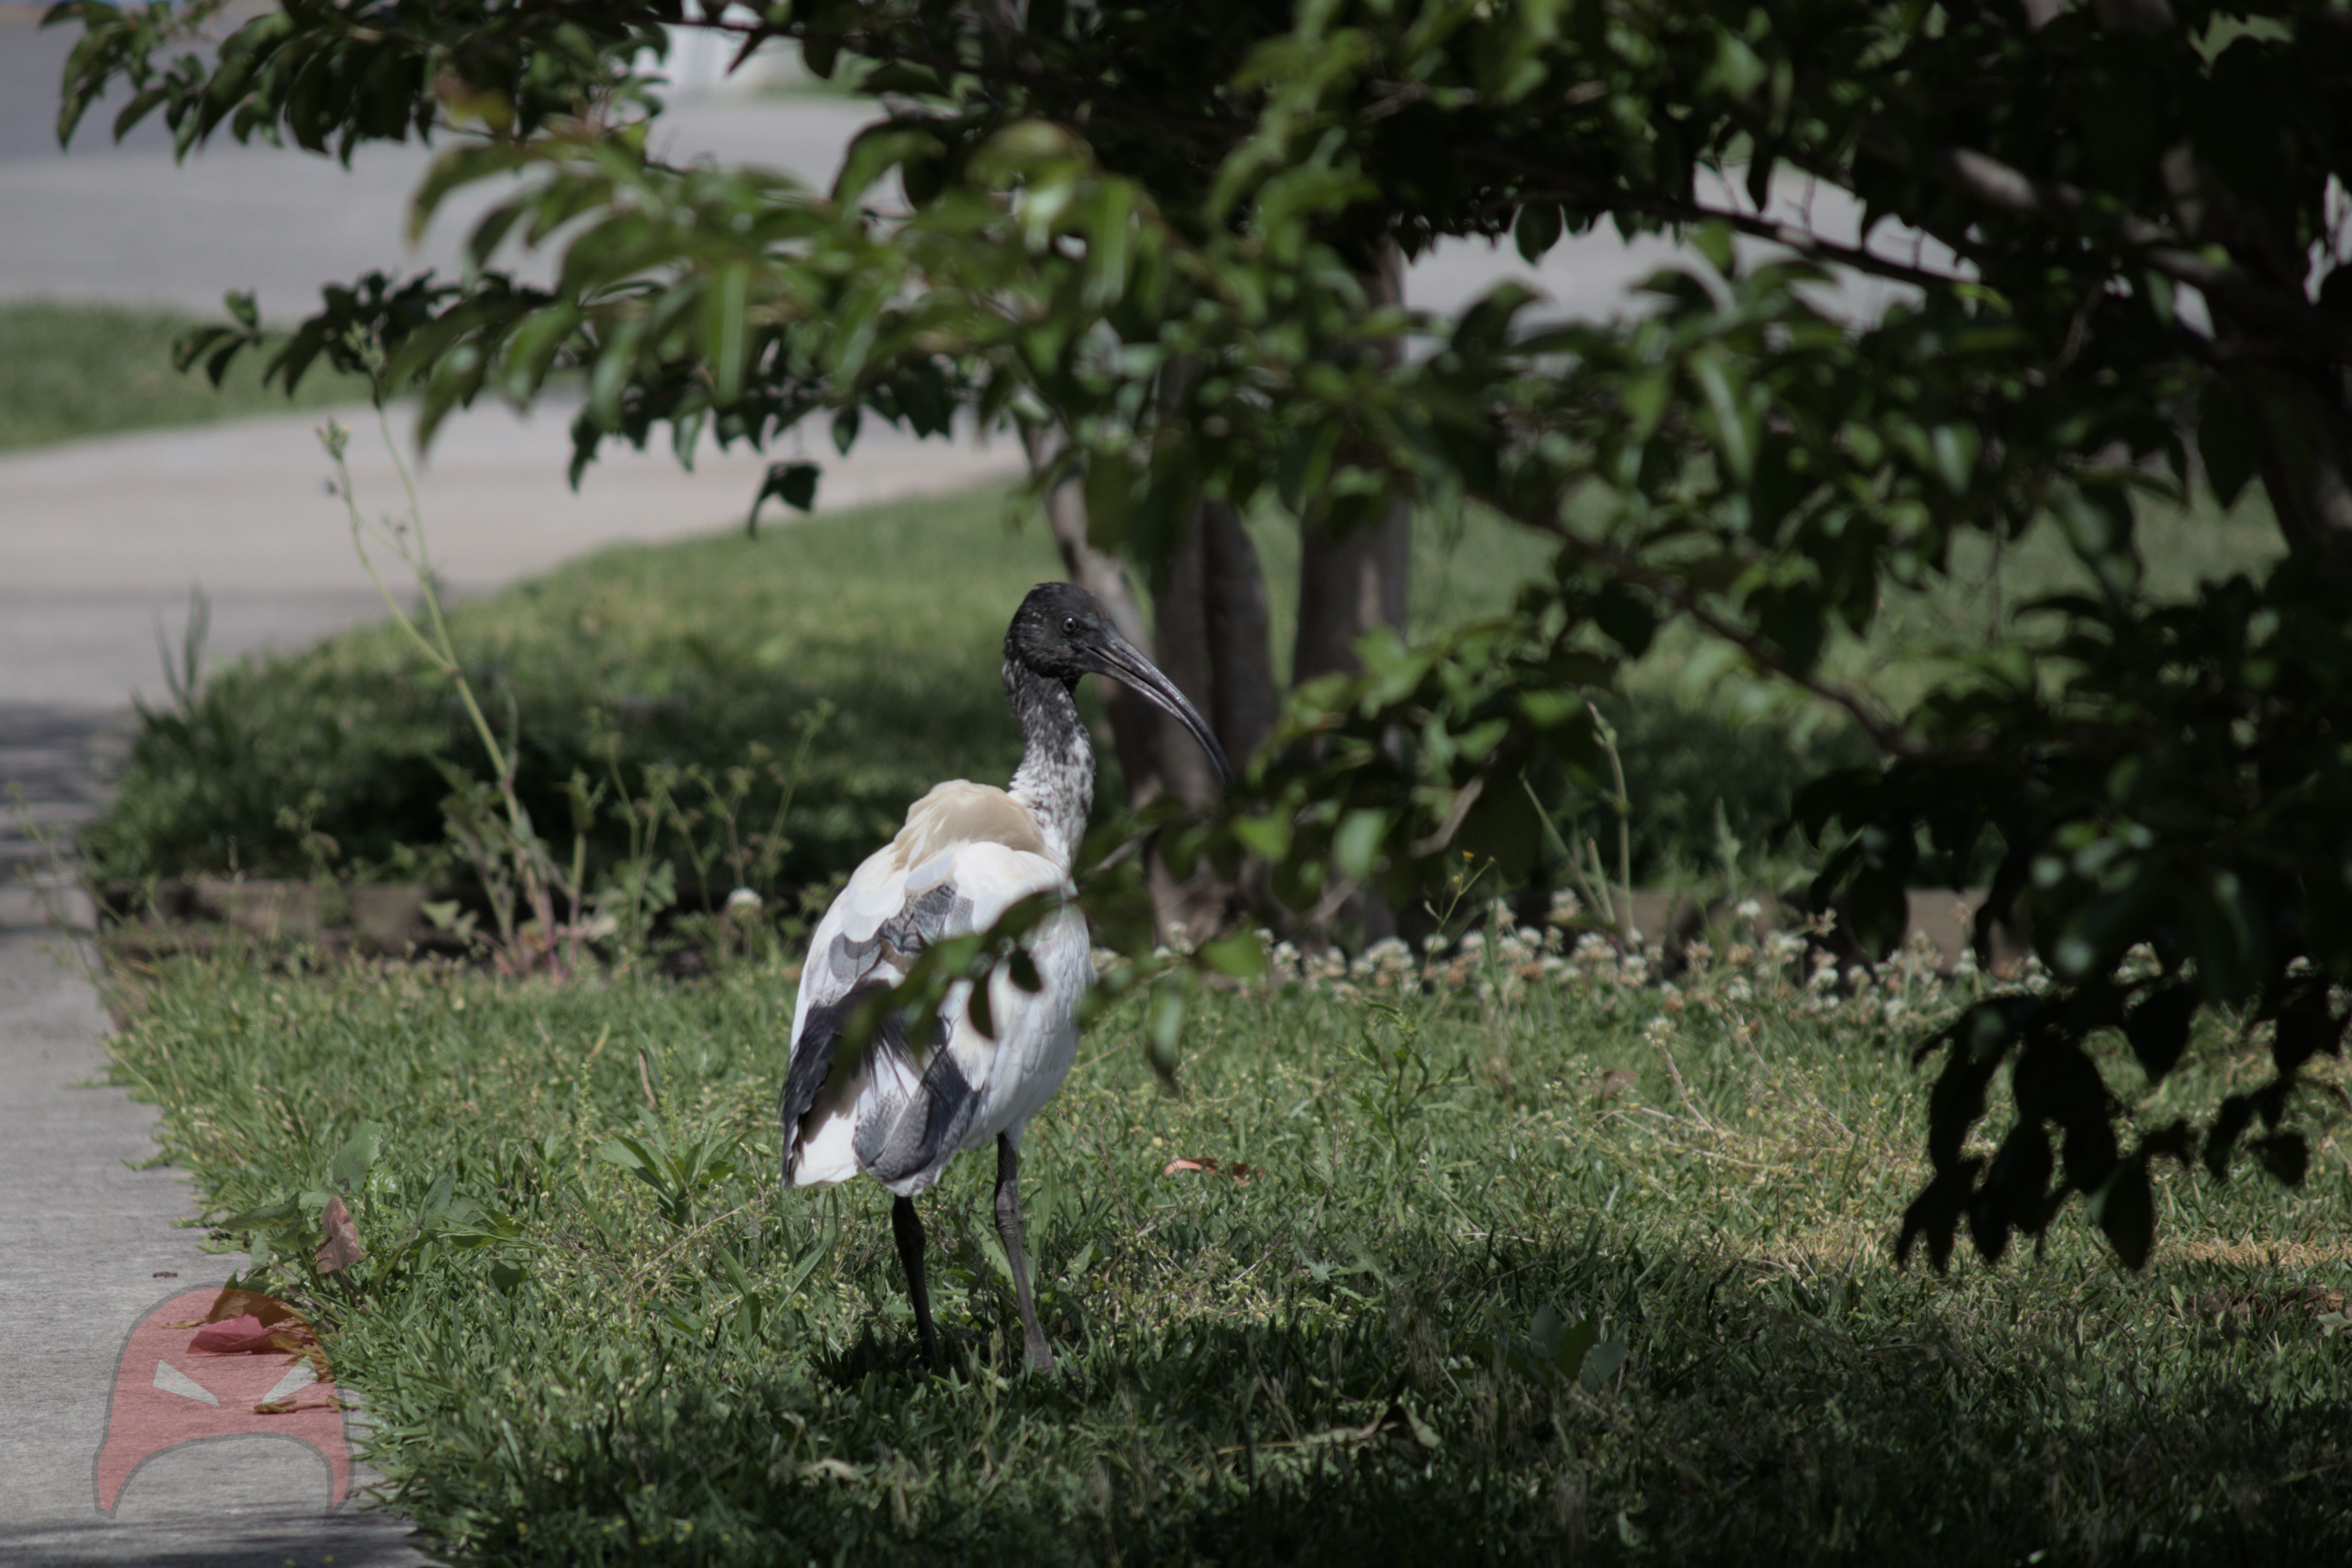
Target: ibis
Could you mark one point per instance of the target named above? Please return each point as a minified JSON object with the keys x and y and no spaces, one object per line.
{"x":899,"y":1106}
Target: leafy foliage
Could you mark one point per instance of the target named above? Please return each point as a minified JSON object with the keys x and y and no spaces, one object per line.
{"x":87,"y":370}
{"x":2120,"y":236}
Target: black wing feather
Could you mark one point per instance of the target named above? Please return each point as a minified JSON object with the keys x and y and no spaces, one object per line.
{"x":910,"y":1136}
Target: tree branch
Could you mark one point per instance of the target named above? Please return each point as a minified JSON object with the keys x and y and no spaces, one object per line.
{"x":1792,"y":236}
{"x":2249,"y":297}
{"x":1885,"y":734}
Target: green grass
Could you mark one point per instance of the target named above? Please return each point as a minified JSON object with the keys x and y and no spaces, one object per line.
{"x":1337,"y":1362}
{"x":88,"y":369}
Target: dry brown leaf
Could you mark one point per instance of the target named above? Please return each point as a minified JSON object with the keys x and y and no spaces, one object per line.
{"x":233,"y":1302}
{"x":1232,"y":1170}
{"x":342,"y":1245}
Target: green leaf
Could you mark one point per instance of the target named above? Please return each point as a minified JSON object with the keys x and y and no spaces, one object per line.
{"x":1164,"y":1029}
{"x":284,"y":1210}
{"x":350,"y":1169}
{"x":2226,"y":441}
{"x":1537,"y":229}
{"x":1237,"y":953}
{"x":2157,"y":1030}
{"x":794,"y":484}
{"x":724,"y":335}
{"x":876,"y":150}
{"x":1601,"y":1364}
{"x":1356,"y":845}
{"x":2124,"y":1211}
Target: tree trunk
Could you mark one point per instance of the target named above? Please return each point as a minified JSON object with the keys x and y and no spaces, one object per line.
{"x":1134,"y":723}
{"x":1241,"y":641}
{"x":1180,"y":623}
{"x":1351,"y":582}
{"x":2306,"y":462}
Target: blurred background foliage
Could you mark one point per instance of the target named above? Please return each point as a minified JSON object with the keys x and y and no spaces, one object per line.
{"x":692,"y":656}
{"x":92,"y":370}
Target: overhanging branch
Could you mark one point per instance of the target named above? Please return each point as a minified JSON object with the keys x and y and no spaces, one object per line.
{"x":2251,"y":298}
{"x":1884,"y":733}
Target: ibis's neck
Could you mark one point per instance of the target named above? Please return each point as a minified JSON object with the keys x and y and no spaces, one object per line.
{"x":1056,"y":777}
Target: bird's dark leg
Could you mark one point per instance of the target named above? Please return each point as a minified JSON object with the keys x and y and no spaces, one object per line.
{"x":1008,"y":1229}
{"x":908,"y":1226}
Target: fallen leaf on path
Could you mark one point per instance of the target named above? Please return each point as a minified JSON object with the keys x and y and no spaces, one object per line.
{"x":233,"y":1302}
{"x":238,"y":1336}
{"x":247,"y":1323}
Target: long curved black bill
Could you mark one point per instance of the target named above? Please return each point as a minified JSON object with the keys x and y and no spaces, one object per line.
{"x":1124,"y":662}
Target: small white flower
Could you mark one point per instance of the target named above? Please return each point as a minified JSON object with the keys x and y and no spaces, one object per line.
{"x":742,"y":904}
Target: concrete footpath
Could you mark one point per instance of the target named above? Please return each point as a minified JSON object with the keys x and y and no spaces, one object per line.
{"x":90,"y":1242}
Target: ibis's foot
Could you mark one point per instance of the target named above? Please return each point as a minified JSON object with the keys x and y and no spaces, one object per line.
{"x":908,"y":1227}
{"x":1008,"y":1230}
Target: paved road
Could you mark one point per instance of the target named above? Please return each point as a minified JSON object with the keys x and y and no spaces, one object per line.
{"x":90,"y":1242}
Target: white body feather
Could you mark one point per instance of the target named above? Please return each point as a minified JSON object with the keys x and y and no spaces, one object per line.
{"x":978,"y":849}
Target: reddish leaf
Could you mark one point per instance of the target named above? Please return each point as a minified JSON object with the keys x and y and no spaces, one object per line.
{"x":237,"y":1336}
{"x":247,"y":1323}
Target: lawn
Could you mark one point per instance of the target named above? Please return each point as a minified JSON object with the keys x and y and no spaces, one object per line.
{"x":94,"y":369}
{"x":1534,"y":1262}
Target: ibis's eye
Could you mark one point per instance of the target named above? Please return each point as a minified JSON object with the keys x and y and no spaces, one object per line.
{"x":1070,"y":623}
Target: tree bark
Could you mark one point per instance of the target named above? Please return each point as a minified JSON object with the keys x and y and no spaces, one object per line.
{"x":1134,"y":723}
{"x":1351,"y":582}
{"x":1181,"y":622}
{"x":1241,"y":639}
{"x":2305,"y":461}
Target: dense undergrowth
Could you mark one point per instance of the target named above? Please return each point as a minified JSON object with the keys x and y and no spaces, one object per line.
{"x":1536,"y":1262}
{"x":706,"y":657}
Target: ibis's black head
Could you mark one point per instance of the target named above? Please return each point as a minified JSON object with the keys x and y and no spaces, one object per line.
{"x":1061,"y":632}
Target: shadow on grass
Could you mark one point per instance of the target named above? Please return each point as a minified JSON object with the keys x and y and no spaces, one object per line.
{"x":1758,"y":1420}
